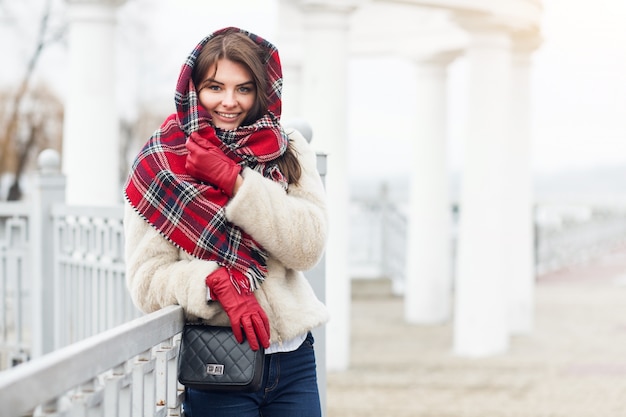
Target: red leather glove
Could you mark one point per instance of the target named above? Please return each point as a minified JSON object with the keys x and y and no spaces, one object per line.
{"x":243,"y":310}
{"x":208,"y":163}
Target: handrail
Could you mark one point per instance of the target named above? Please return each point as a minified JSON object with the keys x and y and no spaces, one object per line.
{"x":14,"y":208}
{"x":45,"y":378}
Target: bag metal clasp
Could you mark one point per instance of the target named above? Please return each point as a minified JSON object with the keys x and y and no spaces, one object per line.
{"x":215,"y":369}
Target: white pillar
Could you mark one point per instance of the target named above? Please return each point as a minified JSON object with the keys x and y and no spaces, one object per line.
{"x":427,"y":295}
{"x":91,"y":129}
{"x":519,"y":204}
{"x":481,"y":320}
{"x":323,"y":103}
{"x":291,"y":55}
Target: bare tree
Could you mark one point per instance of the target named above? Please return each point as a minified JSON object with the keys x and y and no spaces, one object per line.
{"x":22,"y":129}
{"x":42,"y":127}
{"x":134,"y":133}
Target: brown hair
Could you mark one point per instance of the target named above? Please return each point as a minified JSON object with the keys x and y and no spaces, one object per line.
{"x":238,"y":47}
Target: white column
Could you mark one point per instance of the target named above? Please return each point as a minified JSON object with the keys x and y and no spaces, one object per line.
{"x":91,"y":128}
{"x":519,"y":204}
{"x":291,"y":55}
{"x":481,"y":319}
{"x":323,"y":103}
{"x":427,"y":295}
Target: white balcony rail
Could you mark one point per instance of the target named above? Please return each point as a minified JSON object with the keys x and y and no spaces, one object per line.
{"x":89,"y":280}
{"x":569,"y":235}
{"x":60,"y":285}
{"x":15,"y":289}
{"x":566,"y":234}
{"x":61,"y":270}
{"x":129,"y":370}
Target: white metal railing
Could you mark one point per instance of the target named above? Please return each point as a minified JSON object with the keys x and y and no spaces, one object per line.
{"x":127,"y":370}
{"x":566,"y":235}
{"x":14,"y":288}
{"x":378,"y":238}
{"x":89,"y":279}
{"x":61,"y":270}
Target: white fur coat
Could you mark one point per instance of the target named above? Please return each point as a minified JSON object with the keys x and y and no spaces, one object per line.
{"x":291,"y":226}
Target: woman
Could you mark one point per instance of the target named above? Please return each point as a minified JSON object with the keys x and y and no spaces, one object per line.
{"x":224,"y":209}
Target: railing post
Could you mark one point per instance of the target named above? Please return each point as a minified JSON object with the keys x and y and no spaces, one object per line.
{"x":49,"y":189}
{"x":317,"y":277}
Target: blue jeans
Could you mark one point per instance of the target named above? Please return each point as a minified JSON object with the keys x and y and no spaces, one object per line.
{"x":289,"y":390}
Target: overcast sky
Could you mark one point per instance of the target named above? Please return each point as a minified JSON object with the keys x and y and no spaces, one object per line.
{"x":579,"y":76}
{"x":579,"y":90}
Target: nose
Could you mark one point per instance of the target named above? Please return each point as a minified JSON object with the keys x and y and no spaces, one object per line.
{"x":229,"y":99}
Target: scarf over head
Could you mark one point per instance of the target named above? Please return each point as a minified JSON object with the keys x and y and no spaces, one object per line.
{"x":189,"y":212}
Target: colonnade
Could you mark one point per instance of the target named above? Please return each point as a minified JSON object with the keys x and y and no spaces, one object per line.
{"x":489,"y":295}
{"x":488,"y":292}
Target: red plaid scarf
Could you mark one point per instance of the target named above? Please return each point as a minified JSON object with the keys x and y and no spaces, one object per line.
{"x":191,"y":213}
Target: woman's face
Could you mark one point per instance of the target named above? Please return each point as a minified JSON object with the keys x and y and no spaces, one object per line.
{"x":227,"y":92}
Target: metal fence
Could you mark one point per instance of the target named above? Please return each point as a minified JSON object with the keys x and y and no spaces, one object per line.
{"x":567,"y":234}
{"x":570,"y":235}
{"x":124,"y":371}
{"x":90,"y":288}
{"x":15,"y":289}
{"x":61,"y":270}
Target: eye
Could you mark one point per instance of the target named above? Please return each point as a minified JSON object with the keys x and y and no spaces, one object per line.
{"x":211,"y":85}
{"x":246,"y":89}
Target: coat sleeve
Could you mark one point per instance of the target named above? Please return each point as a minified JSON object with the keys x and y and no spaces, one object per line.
{"x":156,"y":273}
{"x":291,"y":226}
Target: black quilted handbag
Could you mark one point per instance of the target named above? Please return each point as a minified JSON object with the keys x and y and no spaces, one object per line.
{"x":211,"y":359}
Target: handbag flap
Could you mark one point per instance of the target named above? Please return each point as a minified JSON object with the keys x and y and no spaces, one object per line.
{"x":210,"y":358}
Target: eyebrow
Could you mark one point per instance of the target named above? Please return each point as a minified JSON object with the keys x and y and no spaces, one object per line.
{"x":213,"y":80}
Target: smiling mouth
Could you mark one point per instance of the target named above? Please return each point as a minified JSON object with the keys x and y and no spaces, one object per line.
{"x":228,"y":115}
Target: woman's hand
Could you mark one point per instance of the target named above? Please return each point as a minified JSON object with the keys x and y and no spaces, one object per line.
{"x":208,"y":163}
{"x":243,"y":310}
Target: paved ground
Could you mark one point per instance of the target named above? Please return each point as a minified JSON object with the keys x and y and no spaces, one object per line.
{"x":572,"y":365}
